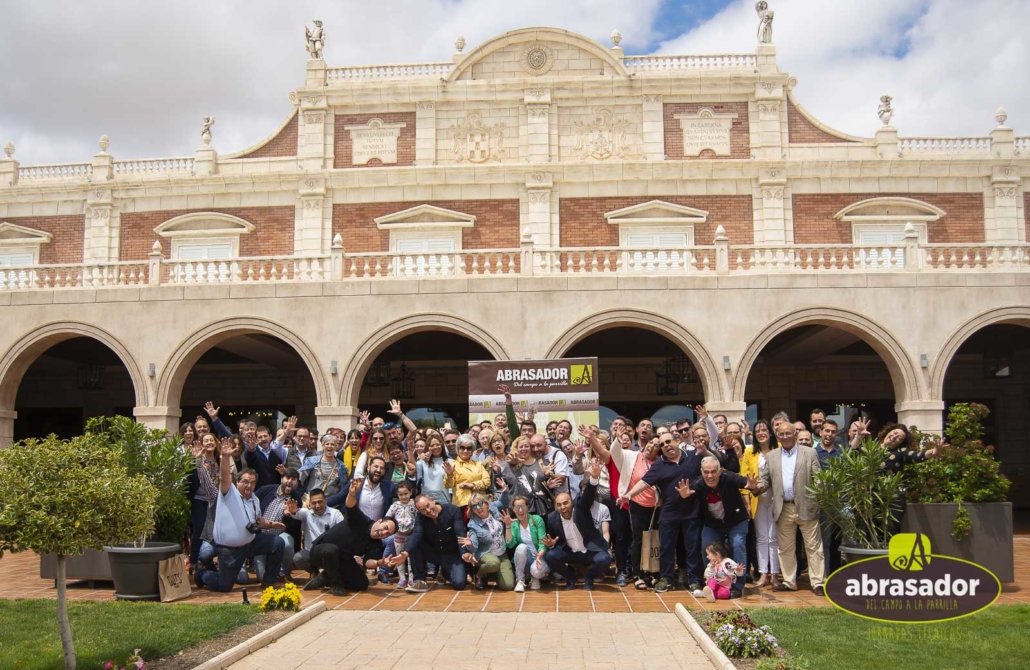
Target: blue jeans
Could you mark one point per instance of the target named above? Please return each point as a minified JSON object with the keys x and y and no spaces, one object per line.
{"x":668,"y":534}
{"x":198,"y":517}
{"x":451,"y":564}
{"x":560,"y":560}
{"x":737,"y":536}
{"x":261,"y":562}
{"x":230,"y":560}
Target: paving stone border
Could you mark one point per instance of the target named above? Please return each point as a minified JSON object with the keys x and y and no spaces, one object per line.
{"x":262,"y":639}
{"x":720,"y":660}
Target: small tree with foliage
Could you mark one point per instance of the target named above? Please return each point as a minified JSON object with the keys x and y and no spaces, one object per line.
{"x":63,"y":497}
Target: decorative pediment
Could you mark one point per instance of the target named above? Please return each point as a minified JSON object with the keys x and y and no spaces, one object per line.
{"x":14,"y":235}
{"x":204,"y":224}
{"x":890,"y":209}
{"x":657,"y":212}
{"x":425,"y":217}
{"x":537,"y":52}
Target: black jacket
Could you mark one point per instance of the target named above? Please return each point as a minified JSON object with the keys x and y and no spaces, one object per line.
{"x":728,"y":488}
{"x":592,"y":537}
{"x":440,"y":534}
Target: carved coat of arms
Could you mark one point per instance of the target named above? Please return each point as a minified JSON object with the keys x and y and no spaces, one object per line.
{"x":476,"y":142}
{"x":602,"y":138}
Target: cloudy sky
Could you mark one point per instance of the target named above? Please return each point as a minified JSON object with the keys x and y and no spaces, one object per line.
{"x":145,"y":73}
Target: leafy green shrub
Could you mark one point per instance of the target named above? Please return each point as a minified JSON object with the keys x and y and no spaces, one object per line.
{"x":964,"y":470}
{"x":737,"y":635}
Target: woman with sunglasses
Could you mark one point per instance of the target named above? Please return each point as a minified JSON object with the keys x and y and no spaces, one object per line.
{"x":376,"y":447}
{"x":489,"y":529}
{"x":465,"y":476}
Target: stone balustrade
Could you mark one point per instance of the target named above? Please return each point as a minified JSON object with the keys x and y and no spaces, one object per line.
{"x":154,"y":166}
{"x":57,"y":171}
{"x":659,"y":64}
{"x":718,"y":259}
{"x":945,"y":145}
{"x":1022,"y":145}
{"x":378,"y":72}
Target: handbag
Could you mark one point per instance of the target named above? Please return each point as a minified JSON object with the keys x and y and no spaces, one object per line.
{"x":650,"y":547}
{"x":172,"y":579}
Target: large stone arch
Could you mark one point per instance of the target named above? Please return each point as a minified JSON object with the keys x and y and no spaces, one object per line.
{"x":525,"y":35}
{"x":179,"y":364}
{"x":908,"y":385}
{"x":17,"y":360}
{"x":711,"y":384}
{"x":1018,"y":315}
{"x":387,"y":334}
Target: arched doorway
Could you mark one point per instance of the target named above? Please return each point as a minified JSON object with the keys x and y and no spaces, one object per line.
{"x":821,"y":366}
{"x":251,"y":376}
{"x":992,"y":367}
{"x":427,"y":372}
{"x":641,"y":371}
{"x":67,"y":384}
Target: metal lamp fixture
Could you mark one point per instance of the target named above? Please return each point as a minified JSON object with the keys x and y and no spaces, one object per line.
{"x":403,"y":386}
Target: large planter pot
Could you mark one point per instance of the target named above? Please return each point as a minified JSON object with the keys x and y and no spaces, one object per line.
{"x":134,"y":569}
{"x":92,"y":565}
{"x":989,"y":543}
{"x":852,"y":554}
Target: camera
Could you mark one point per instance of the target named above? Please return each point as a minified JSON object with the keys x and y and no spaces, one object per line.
{"x":253,"y":527}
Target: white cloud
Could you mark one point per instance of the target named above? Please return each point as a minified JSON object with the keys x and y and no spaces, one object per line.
{"x":959,"y":61}
{"x":146,"y":72}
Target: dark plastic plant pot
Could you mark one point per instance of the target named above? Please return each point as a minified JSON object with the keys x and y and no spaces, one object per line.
{"x":134,"y":569}
{"x":852,"y":554}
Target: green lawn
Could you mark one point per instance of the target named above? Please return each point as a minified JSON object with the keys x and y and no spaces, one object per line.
{"x":105,"y":631}
{"x":995,"y":639}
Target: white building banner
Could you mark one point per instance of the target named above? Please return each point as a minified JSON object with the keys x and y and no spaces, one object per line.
{"x":564,"y":388}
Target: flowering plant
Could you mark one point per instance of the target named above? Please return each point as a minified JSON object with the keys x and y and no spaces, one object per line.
{"x":286,"y":598}
{"x":744,"y":642}
{"x":134,"y":662}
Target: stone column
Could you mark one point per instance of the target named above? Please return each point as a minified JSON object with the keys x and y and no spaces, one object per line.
{"x":8,"y":167}
{"x":313,"y":217}
{"x":1003,"y":215}
{"x":771,"y":223}
{"x":102,"y":232}
{"x":7,"y":417}
{"x":312,"y":130}
{"x":538,"y":131}
{"x":537,"y":214}
{"x":335,"y":416}
{"x":425,"y":133}
{"x":767,"y":131}
{"x":928,"y":415}
{"x":205,"y":162}
{"x":654,"y":128}
{"x":167,"y":418}
{"x":887,"y":143}
{"x":734,"y":410}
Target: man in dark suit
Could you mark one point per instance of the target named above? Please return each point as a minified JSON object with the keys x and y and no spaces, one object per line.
{"x":435,"y":540}
{"x":265,"y":459}
{"x":573,"y":538}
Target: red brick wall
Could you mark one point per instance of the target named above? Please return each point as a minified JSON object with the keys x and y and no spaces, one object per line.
{"x":802,"y":131}
{"x":67,"y":230}
{"x":583,"y":223}
{"x":814,"y":222}
{"x":497,"y":223}
{"x":740,"y":139}
{"x":272,"y":236}
{"x":405,"y":141}
{"x":283,"y":144}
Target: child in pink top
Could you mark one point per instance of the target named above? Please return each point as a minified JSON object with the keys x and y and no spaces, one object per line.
{"x":719,"y":572}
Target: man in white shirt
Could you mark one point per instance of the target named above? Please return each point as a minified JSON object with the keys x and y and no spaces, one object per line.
{"x":572,"y":537}
{"x":237,"y":522}
{"x":317,"y":519}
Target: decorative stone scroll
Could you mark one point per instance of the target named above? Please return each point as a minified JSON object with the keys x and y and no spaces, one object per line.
{"x":374,"y":139}
{"x":706,"y":129}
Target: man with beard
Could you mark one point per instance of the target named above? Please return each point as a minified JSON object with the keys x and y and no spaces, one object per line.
{"x":375,"y":493}
{"x":274,"y":502}
{"x":346,"y":550}
{"x":317,"y":519}
{"x":572,"y":538}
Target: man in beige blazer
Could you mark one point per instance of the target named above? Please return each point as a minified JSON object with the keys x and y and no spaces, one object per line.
{"x":789,"y":472}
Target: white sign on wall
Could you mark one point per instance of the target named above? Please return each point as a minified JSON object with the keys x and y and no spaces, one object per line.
{"x":706,"y":129}
{"x":374,"y":139}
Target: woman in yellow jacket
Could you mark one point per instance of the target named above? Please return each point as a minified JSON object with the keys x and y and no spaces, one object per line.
{"x":464,"y":475}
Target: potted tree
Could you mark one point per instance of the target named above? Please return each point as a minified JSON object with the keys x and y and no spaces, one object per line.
{"x":856,"y":495}
{"x":162,"y":461}
{"x":66,"y":496}
{"x":958,"y":499}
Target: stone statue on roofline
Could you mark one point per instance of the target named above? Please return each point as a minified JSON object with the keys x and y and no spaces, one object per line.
{"x":205,"y":129}
{"x":315,"y":39}
{"x":885,"y":111}
{"x":765,"y":20}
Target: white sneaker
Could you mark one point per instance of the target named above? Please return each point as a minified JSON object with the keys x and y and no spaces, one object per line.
{"x":534,"y":584}
{"x":698,"y":593}
{"x":709,"y":594}
{"x":520,"y":586}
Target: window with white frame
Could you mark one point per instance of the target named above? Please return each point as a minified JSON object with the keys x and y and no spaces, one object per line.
{"x":19,"y":248}
{"x":879,"y":225}
{"x":425,"y":241}
{"x":657,"y":235}
{"x":203,"y":244}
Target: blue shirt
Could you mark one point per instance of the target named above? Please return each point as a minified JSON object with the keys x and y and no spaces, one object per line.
{"x":665,"y":475}
{"x":826,"y":456}
{"x":788,"y":460}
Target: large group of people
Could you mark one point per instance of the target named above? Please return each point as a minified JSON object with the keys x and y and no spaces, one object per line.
{"x":727,"y":504}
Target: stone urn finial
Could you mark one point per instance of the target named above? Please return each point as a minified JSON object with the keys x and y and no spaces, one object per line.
{"x":156,"y":247}
{"x":1001,"y":116}
{"x":9,"y":149}
{"x":616,"y":37}
{"x":104,"y":142}
{"x":459,"y":44}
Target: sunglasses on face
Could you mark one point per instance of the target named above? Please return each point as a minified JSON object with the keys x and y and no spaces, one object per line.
{"x":465,"y":448}
{"x":481,"y":503}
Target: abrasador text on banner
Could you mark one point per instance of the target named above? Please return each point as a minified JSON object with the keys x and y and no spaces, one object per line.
{"x":565,"y":388}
